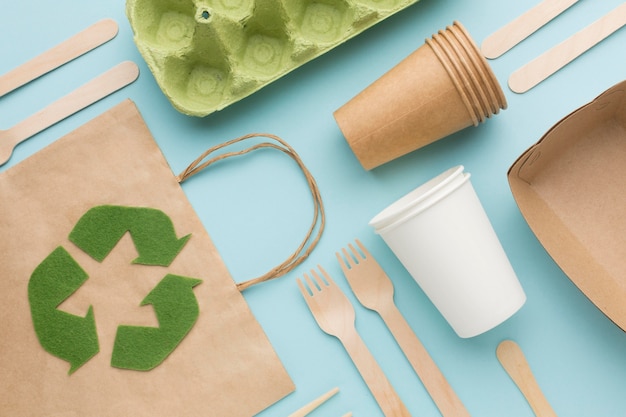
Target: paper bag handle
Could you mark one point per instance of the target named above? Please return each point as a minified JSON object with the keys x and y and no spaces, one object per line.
{"x":319,"y":219}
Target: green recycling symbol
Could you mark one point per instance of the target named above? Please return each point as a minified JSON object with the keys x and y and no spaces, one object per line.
{"x":74,"y":338}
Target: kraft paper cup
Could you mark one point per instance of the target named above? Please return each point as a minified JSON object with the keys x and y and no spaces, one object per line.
{"x":491,"y":81}
{"x":461,"y":71}
{"x":414,"y":104}
{"x":441,"y":234}
{"x":441,"y":88}
{"x":458,"y":43}
{"x":456,"y":50}
{"x":458,"y":79}
{"x":471,"y":51}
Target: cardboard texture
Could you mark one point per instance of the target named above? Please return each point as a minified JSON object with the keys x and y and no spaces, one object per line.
{"x":444,"y":86}
{"x":224,"y":366}
{"x":206,"y":55}
{"x":571,"y":188}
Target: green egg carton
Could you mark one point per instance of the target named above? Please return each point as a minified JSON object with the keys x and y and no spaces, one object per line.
{"x":208,"y":54}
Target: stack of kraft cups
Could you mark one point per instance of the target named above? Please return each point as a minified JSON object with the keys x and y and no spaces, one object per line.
{"x":444,"y":86}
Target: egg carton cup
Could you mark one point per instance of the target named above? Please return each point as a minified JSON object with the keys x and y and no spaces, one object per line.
{"x":208,"y":54}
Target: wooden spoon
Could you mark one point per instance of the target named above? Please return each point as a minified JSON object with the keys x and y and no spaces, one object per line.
{"x":79,"y":44}
{"x":95,"y":90}
{"x":523,"y":26}
{"x":512,"y":359}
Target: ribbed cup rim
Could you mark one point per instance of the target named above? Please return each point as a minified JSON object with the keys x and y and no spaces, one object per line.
{"x":477,"y":68}
{"x":493,"y":81}
{"x":454,"y":51}
{"x":455,"y":79}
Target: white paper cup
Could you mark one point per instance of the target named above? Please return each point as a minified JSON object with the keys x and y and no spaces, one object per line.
{"x":441,"y":234}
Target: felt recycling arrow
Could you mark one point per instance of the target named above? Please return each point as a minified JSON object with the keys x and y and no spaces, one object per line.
{"x":176,"y":308}
{"x":74,"y":338}
{"x":69,"y":337}
{"x":152,"y":231}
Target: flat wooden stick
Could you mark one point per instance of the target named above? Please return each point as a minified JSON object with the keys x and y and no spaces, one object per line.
{"x":79,"y":44}
{"x":523,"y":26}
{"x":562,"y":54}
{"x":314,"y":404}
{"x":91,"y":92}
{"x":513,"y":361}
{"x":441,"y":392}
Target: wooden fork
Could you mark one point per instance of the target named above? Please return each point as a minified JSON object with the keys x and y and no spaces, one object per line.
{"x":335,"y":315}
{"x":374,"y":290}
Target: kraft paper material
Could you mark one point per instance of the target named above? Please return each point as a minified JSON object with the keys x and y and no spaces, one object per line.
{"x":412,"y":105}
{"x":224,"y":366}
{"x":571,"y":188}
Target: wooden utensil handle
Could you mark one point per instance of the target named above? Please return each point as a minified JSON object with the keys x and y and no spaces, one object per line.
{"x":376,"y":380}
{"x":440,"y":391}
{"x":304,"y":411}
{"x":514,"y":362}
{"x":77,"y":45}
{"x":523,"y":26}
{"x":562,"y":54}
{"x":96,"y":89}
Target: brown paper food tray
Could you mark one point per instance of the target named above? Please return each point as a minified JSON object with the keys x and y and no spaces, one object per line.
{"x":571,"y":188}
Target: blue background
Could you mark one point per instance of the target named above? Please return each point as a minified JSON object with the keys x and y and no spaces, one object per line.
{"x":257,"y":208}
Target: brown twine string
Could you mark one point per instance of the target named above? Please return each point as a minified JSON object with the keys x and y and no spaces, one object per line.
{"x":310,"y":241}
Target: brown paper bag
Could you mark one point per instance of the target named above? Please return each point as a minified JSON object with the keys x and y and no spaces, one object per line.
{"x":106,"y":173}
